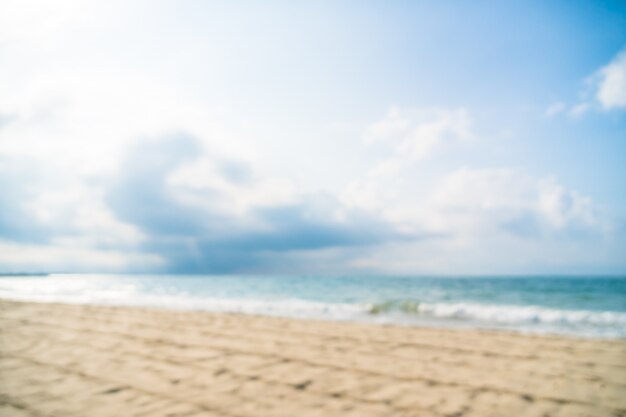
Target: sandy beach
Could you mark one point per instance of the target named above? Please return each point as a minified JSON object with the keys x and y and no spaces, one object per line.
{"x":80,"y":360}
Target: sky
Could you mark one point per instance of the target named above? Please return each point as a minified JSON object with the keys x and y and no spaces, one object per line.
{"x":322,"y":137}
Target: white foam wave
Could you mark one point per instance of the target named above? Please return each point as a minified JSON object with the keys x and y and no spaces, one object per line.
{"x":96,"y":290}
{"x":102,"y":290}
{"x":522,"y":314}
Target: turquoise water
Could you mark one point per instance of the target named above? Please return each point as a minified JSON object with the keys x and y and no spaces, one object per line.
{"x":591,"y":307}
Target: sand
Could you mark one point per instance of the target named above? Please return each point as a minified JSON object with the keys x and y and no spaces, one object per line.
{"x":90,"y":361}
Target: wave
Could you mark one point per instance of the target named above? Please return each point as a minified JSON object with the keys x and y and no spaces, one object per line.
{"x":89,"y":292}
{"x":506,"y":314}
{"x":97,"y":290}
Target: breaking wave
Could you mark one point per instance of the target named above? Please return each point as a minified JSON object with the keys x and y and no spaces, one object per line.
{"x":504,"y":314}
{"x":174,"y":295}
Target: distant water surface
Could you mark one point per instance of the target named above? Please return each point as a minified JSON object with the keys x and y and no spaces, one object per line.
{"x":579,"y":306}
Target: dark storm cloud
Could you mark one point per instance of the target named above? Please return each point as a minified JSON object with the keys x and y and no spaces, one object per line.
{"x":139,"y":195}
{"x":201,"y":239}
{"x":19,"y":179}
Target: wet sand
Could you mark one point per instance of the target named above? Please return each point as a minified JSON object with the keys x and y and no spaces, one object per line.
{"x":90,"y":361}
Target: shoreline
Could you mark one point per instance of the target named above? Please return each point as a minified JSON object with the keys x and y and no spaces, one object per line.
{"x":365,"y":318}
{"x":112,"y":360}
{"x":526,"y":306}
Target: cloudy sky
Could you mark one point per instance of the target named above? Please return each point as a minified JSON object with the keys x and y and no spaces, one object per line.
{"x":313,"y":137}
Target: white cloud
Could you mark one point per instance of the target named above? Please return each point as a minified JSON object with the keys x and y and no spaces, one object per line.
{"x":404,"y":137}
{"x":555,"y":108}
{"x":77,"y":126}
{"x":611,"y":91}
{"x":87,"y":121}
{"x":80,"y":215}
{"x":466,"y":202}
{"x":77,"y":108}
{"x":562,"y":207}
{"x":605,"y":88}
{"x":66,"y":256}
{"x":195,"y":183}
{"x":491,"y":220}
{"x":417,"y":133}
{"x":579,"y":109}
{"x":497,"y":200}
{"x":393,"y":126}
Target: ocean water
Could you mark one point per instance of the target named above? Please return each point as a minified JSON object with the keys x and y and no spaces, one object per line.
{"x":587,"y":307}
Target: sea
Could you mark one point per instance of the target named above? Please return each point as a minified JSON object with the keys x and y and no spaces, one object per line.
{"x":591,"y":307}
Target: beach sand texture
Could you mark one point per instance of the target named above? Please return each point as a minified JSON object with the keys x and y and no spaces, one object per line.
{"x":90,"y":361}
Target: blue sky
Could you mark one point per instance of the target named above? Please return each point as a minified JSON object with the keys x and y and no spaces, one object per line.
{"x":320,"y":137}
